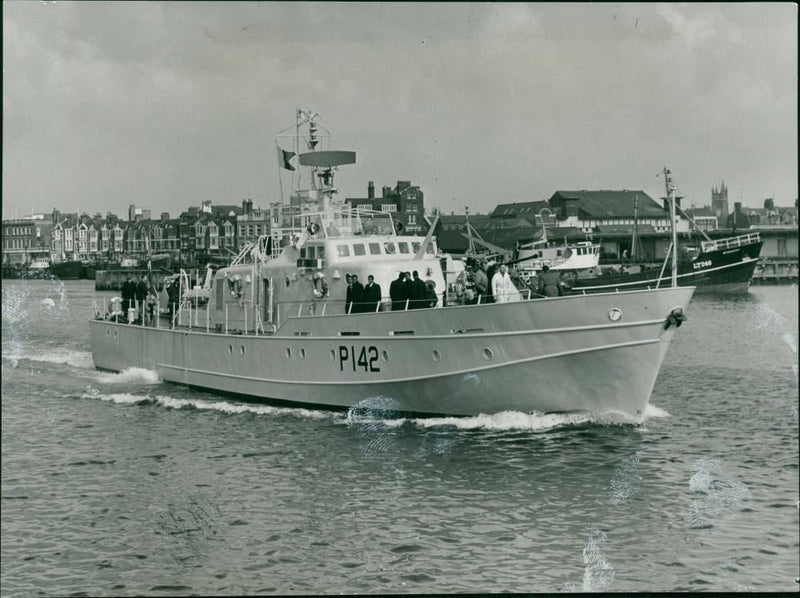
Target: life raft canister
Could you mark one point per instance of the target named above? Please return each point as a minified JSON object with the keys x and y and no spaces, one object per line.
{"x":235,"y":285}
{"x":319,"y":286}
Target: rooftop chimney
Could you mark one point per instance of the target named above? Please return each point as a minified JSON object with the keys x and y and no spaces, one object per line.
{"x":371,"y":190}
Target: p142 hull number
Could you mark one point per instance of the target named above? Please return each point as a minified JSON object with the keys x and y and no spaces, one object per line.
{"x":352,"y":358}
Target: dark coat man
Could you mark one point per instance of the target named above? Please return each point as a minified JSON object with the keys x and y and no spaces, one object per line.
{"x":481,"y":282}
{"x":419,"y":293}
{"x":142,"y":289}
{"x":397,"y":292}
{"x":409,"y":289}
{"x":549,"y":282}
{"x":357,"y":295}
{"x":372,"y":294}
{"x":128,"y":294}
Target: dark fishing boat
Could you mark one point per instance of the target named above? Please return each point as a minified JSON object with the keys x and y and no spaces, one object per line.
{"x":716,"y":265}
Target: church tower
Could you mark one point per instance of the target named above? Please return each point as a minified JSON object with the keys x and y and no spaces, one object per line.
{"x":719,"y":202}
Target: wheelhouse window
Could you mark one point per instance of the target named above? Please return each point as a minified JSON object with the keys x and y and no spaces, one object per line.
{"x":343,"y":250}
{"x":403,"y":246}
{"x":358,"y":249}
{"x":374,"y":248}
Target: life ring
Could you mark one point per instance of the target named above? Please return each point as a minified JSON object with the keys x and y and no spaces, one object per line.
{"x":318,"y":285}
{"x":313,"y":228}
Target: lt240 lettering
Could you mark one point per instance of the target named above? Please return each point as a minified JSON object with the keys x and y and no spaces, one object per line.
{"x":365,"y":359}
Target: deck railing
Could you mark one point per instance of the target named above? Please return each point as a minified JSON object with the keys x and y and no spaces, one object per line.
{"x":730,"y":242}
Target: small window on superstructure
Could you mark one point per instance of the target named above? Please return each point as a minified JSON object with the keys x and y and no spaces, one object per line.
{"x":415,"y":246}
{"x":389,"y":248}
{"x":358,"y":249}
{"x":343,"y":250}
{"x":403,"y":246}
{"x":374,"y":248}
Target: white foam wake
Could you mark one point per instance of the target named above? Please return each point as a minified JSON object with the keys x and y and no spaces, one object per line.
{"x":204,"y":405}
{"x":130,"y":375}
{"x":509,"y":420}
{"x":71,"y":357}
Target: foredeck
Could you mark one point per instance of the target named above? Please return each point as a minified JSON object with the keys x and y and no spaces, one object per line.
{"x":730,"y":242}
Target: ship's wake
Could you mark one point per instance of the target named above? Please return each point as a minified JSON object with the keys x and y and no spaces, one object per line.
{"x":374,"y":414}
{"x":502,"y":421}
{"x":222,"y":406}
{"x":130,"y":375}
{"x":14,"y":353}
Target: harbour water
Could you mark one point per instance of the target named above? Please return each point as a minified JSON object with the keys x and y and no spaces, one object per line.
{"x":118,"y":484}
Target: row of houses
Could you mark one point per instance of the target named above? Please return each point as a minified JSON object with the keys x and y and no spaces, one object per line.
{"x":197,"y":233}
{"x":210,"y":231}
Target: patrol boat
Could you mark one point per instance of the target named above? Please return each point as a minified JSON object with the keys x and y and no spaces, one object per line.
{"x":278,"y":326}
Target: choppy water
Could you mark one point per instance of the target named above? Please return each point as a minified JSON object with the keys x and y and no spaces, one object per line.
{"x":118,"y":484}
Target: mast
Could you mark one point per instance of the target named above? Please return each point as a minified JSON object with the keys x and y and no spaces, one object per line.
{"x":671,"y":197}
{"x":635,"y":241}
{"x":471,"y":248}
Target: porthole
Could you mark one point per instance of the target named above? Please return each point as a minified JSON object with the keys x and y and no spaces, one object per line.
{"x":230,"y":349}
{"x":302,"y":353}
{"x":488,"y":353}
{"x":241,"y":349}
{"x":385,"y":356}
{"x":288,"y":353}
{"x":436,"y":355}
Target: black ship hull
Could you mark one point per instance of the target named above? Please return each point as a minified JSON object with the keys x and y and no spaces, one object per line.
{"x":722,"y":267}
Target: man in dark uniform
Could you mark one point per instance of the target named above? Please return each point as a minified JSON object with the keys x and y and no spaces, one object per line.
{"x":419,"y":293}
{"x":128,"y":294}
{"x":397,"y":292}
{"x":348,"y":298}
{"x":358,"y":296}
{"x":372,"y":294}
{"x":141,"y":292}
{"x":549,"y":282}
{"x":409,"y":282}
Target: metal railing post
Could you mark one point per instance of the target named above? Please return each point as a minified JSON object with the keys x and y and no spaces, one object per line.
{"x":158,"y":314}
{"x":226,"y":318}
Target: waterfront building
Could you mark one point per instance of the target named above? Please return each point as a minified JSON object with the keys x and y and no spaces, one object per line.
{"x":26,"y":239}
{"x":406,"y":202}
{"x":251,"y":224}
{"x":208,"y":232}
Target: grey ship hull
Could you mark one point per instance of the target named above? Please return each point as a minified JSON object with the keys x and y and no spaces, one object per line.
{"x":553,"y":355}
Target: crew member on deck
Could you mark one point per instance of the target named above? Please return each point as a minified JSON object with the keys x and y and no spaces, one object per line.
{"x":502,"y":287}
{"x":549,"y":282}
{"x":357,"y":296}
{"x":419,"y":293}
{"x":372,"y":294}
{"x":128,"y":294}
{"x":397,"y":292}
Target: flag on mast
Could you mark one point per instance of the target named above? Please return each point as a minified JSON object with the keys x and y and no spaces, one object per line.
{"x":284,"y":159}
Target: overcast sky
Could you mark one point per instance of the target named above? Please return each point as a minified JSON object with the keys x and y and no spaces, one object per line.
{"x":166,"y":105}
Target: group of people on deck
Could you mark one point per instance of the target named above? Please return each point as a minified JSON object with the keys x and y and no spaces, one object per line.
{"x":139,"y":295}
{"x":360,"y":298}
{"x":496,"y":282}
{"x":409,"y":291}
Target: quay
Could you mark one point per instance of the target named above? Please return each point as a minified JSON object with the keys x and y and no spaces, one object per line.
{"x":776,"y":271}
